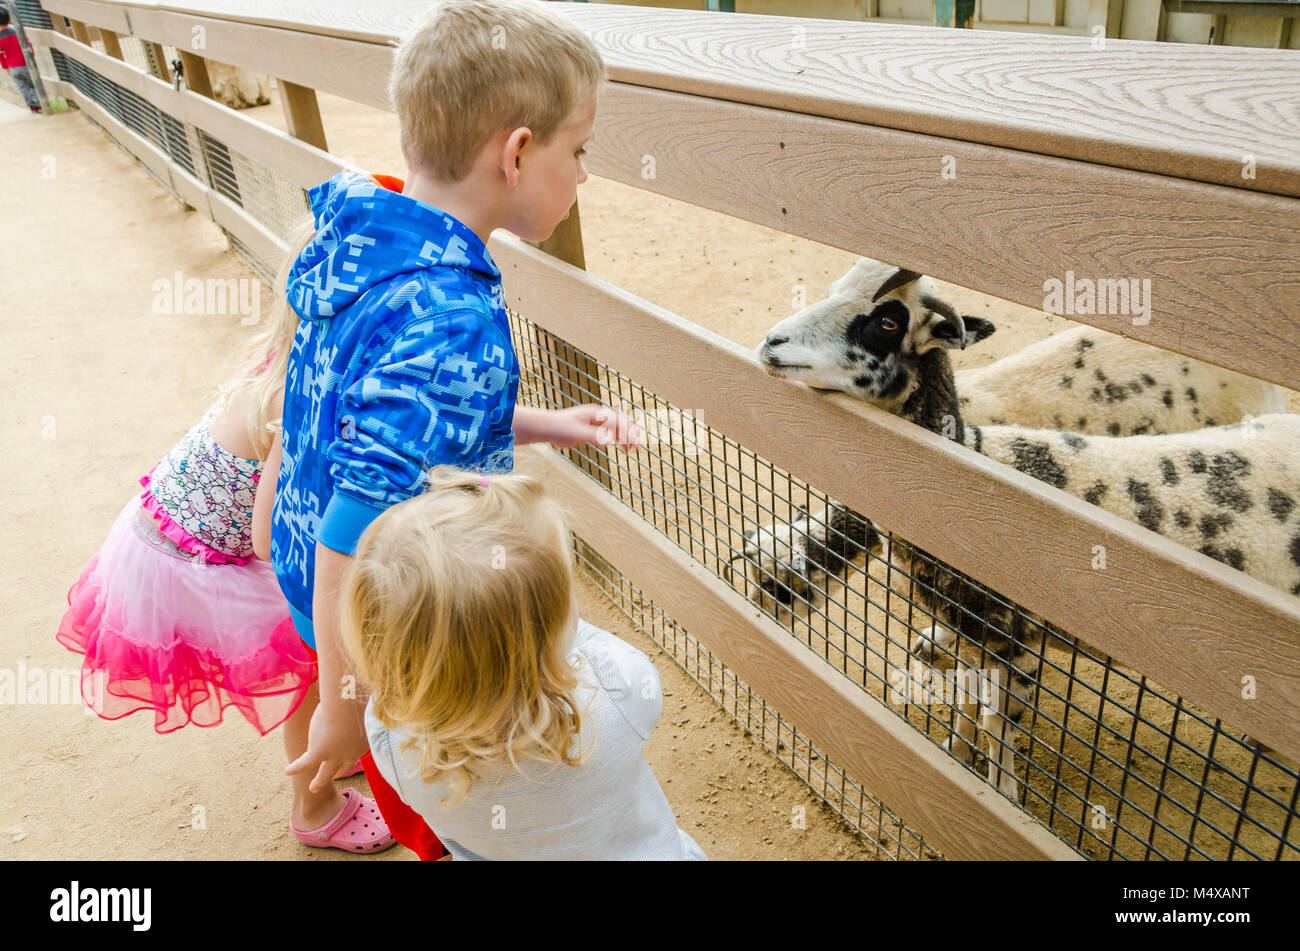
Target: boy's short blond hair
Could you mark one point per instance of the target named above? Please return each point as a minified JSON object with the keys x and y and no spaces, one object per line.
{"x":470,"y":69}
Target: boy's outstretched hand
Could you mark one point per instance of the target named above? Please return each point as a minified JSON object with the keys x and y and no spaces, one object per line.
{"x":595,"y":425}
{"x":589,"y":424}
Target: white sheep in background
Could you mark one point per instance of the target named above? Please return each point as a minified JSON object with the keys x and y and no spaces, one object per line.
{"x":1231,"y":492}
{"x":1086,"y":380}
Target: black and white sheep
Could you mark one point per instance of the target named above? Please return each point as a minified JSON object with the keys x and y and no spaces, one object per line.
{"x":789,"y":561}
{"x":1232,"y":492}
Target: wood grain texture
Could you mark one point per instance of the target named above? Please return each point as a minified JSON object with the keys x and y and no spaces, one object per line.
{"x":961,"y":815}
{"x":355,"y":70}
{"x":1174,"y":109}
{"x":1181,"y":110}
{"x":1187,"y":621}
{"x":110,"y":16}
{"x":1223,"y":263}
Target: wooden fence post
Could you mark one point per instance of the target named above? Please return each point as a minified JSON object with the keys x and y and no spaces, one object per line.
{"x":112,"y":46}
{"x":302,"y":113}
{"x":220,"y":169}
{"x":81,"y":32}
{"x":576,"y":375}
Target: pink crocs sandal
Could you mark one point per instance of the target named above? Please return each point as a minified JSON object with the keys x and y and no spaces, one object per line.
{"x":357,"y":828}
{"x":356,"y":768}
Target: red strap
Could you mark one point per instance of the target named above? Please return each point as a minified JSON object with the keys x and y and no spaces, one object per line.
{"x":407,"y":826}
{"x":391,"y":182}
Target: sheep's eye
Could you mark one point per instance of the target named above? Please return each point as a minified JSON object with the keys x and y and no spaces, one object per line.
{"x":888,"y":323}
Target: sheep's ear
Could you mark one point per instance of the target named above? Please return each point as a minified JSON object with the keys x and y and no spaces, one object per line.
{"x":977,"y":328}
{"x":850,"y":282}
{"x":896,"y":280}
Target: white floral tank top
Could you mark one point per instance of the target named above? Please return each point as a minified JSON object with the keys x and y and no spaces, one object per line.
{"x":208,"y":491}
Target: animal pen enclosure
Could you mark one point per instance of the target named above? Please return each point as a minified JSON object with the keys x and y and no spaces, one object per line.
{"x":1177,"y":164}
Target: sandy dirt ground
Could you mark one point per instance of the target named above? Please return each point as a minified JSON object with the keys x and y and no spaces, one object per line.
{"x":100,"y":386}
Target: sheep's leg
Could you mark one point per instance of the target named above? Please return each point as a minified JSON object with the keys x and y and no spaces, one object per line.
{"x":922,"y":649}
{"x":1002,"y":759}
{"x":965,"y":708}
{"x":996,"y":726}
{"x":935,"y":645}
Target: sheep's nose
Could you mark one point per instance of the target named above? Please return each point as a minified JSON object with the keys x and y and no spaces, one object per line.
{"x":774,"y":341}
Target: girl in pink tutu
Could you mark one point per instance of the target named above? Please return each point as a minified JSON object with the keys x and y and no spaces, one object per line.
{"x":177,"y":614}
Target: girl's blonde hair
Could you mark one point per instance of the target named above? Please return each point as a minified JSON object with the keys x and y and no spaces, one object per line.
{"x":266,"y":360}
{"x":470,"y":69}
{"x":455,"y":611}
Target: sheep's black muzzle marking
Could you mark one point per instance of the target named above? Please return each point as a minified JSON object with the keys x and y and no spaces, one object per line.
{"x":780,"y":592}
{"x":770,"y":362}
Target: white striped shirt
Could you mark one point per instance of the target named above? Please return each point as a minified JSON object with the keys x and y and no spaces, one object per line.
{"x":609,"y":807}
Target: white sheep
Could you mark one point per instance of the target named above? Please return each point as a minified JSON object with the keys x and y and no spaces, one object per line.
{"x":1229,"y":491}
{"x":1089,"y":381}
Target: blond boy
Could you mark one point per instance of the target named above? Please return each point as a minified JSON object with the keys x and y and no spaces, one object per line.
{"x":403,"y":359}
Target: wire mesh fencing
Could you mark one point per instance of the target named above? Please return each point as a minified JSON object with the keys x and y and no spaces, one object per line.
{"x":269,"y":197}
{"x":864,"y":813}
{"x":1114,"y":764}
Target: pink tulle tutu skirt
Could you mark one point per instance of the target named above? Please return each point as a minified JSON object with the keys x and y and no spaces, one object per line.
{"x":165,"y":631}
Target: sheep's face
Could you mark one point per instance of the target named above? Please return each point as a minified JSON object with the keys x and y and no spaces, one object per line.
{"x":776,"y":566}
{"x":867,"y":338}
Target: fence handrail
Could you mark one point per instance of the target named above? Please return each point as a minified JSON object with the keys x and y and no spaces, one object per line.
{"x":1168,"y":108}
{"x":1221,"y":261}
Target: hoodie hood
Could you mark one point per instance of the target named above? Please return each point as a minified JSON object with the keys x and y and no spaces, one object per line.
{"x":366,"y":235}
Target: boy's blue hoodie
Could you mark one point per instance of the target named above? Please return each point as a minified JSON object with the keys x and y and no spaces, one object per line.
{"x":402,"y":361}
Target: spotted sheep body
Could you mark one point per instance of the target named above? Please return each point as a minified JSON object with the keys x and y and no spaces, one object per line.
{"x":1086,"y":380}
{"x":1230,"y":491}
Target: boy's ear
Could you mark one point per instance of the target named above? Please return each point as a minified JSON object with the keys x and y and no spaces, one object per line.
{"x":515,"y":143}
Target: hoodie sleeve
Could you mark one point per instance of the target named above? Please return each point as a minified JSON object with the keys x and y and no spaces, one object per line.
{"x":432,"y":398}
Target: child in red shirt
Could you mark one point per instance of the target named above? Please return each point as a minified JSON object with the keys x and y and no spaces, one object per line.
{"x":12,"y":59}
